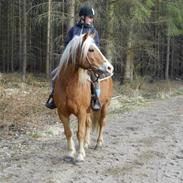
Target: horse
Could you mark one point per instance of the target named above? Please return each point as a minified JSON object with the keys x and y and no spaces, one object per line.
{"x":72,"y":92}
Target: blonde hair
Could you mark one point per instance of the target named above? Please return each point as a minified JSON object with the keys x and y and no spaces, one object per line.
{"x":72,"y":49}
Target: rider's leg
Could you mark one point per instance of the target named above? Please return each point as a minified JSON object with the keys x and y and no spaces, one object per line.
{"x":97,"y":105}
{"x":95,"y":90}
{"x":50,"y":102}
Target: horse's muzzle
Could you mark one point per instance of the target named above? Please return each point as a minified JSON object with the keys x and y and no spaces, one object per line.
{"x":106,"y":68}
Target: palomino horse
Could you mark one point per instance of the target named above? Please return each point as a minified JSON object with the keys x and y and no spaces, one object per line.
{"x":72,"y":93}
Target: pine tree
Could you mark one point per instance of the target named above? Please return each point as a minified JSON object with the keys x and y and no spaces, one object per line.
{"x":174,"y":25}
{"x":48,"y":55}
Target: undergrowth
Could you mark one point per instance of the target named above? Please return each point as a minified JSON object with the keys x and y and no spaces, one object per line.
{"x":23,"y":104}
{"x":140,"y":93}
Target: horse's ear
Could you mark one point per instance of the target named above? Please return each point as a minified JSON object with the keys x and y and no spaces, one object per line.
{"x":93,"y":35}
{"x":85,"y":36}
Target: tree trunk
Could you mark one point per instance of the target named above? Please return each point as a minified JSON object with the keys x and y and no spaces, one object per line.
{"x":167,"y":58}
{"x":12,"y":36}
{"x":29,"y":40}
{"x":48,"y":53}
{"x":8,"y":40}
{"x":172,"y":59}
{"x":1,"y":45}
{"x":110,"y":29}
{"x":158,"y":56}
{"x":20,"y":35}
{"x":62,"y":24}
{"x":71,"y":14}
{"x":129,"y":67}
{"x":24,"y":41}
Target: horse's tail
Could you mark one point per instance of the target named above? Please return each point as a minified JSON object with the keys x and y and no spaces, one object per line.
{"x":95,"y":116}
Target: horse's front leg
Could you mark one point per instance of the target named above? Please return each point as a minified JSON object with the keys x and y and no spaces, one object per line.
{"x":68,"y":133}
{"x":81,"y":135}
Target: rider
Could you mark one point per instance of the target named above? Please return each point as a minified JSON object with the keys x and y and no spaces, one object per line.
{"x":85,"y":25}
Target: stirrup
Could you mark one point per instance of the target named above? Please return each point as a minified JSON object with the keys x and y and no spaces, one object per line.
{"x":51,"y":105}
{"x":95,"y":104}
{"x":50,"y":102}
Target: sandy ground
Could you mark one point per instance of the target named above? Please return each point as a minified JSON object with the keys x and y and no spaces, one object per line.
{"x":142,"y":146}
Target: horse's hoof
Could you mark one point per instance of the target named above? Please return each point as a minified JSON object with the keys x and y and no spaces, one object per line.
{"x":69,"y":158}
{"x":80,"y":158}
{"x":98,"y":147}
{"x":86,"y":145}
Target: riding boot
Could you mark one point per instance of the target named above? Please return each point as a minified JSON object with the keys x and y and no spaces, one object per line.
{"x":50,"y":102}
{"x":96,"y":103}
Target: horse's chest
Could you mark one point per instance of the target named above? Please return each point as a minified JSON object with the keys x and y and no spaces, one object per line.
{"x":76,"y":91}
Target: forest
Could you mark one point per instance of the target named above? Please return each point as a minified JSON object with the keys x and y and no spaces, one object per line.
{"x":139,"y":136}
{"x":141,"y":38}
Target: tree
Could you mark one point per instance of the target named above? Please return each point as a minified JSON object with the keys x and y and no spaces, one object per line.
{"x":20,"y":33}
{"x":48,"y":55}
{"x":140,"y":37}
{"x":138,"y":14}
{"x":70,"y":14}
{"x":24,"y":40}
{"x":174,"y":21}
{"x":110,"y":30}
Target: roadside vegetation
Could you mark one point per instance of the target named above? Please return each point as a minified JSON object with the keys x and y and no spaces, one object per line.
{"x":22,"y":103}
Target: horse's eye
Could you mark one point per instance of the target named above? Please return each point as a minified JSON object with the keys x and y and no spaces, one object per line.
{"x":91,"y":50}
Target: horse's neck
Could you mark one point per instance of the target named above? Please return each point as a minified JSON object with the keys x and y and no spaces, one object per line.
{"x":77,"y":74}
{"x":68,"y":73}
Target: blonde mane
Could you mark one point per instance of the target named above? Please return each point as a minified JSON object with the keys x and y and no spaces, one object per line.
{"x":71,"y":50}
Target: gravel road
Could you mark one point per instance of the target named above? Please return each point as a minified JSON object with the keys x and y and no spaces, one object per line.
{"x":141,"y":146}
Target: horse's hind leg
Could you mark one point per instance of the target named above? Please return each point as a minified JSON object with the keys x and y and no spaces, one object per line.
{"x":102,"y":123}
{"x":81,"y":135}
{"x":88,"y":130}
{"x":68,"y":134}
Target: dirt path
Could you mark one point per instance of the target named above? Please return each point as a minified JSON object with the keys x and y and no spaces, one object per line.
{"x":143,"y":146}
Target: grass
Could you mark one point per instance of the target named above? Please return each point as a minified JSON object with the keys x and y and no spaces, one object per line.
{"x":22,"y":104}
{"x":140,"y":93}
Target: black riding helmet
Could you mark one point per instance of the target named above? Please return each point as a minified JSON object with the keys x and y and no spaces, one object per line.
{"x":86,"y":11}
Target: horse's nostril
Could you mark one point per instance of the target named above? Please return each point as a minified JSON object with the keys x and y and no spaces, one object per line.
{"x":109,"y":68}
